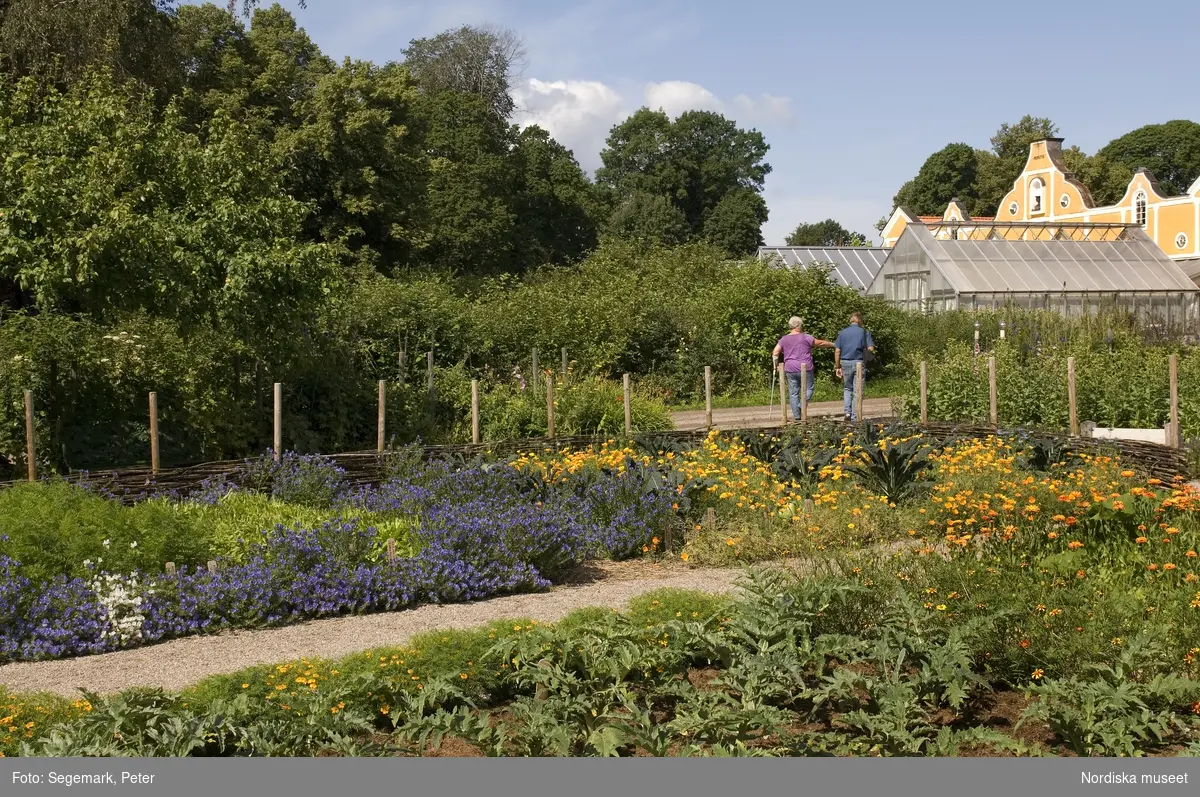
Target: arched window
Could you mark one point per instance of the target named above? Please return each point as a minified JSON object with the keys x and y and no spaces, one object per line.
{"x":1139,"y":208}
{"x":1037,"y":190}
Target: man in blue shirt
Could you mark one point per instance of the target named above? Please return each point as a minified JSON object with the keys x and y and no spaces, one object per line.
{"x":849,"y":350}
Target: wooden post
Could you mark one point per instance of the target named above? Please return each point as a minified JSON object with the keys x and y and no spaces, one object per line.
{"x":859,"y":379}
{"x":1176,"y":437}
{"x":391,"y":549}
{"x":429,"y":375}
{"x":475,"y":411}
{"x":708,"y":395}
{"x":628,"y":407}
{"x":170,"y":568}
{"x":278,"y":419}
{"x":924,"y":394}
{"x":533,"y":375}
{"x":382,"y":415}
{"x":783,"y":405}
{"x":803,"y":395}
{"x":212,"y":566}
{"x":30,"y":442}
{"x":994,"y":414}
{"x":154,"y":433}
{"x":550,"y":407}
{"x":1072,"y":410}
{"x":710,"y":518}
{"x":565,"y":364}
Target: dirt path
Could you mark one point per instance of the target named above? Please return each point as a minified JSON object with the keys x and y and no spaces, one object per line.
{"x":755,"y":417}
{"x":180,"y":663}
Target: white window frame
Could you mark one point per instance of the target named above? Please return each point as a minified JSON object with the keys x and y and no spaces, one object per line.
{"x":1141,"y":209}
{"x":1037,"y":197}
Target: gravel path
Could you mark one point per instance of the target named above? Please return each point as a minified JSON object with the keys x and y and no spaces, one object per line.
{"x":756,"y":417}
{"x":180,"y":663}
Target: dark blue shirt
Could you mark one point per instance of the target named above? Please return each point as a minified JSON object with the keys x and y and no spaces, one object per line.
{"x":852,"y":342}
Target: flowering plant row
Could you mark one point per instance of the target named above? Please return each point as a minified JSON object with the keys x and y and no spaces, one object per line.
{"x":479,"y":532}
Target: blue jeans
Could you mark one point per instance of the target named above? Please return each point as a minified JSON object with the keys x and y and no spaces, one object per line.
{"x":849,"y":369}
{"x":794,"y":392}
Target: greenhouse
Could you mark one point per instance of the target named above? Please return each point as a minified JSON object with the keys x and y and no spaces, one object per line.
{"x":1074,"y":270}
{"x":852,"y":266}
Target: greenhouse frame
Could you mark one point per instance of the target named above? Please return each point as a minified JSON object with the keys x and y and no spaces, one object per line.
{"x":851,"y":266}
{"x":1074,"y":269}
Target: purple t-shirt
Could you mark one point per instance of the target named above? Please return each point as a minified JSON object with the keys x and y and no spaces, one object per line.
{"x":797,"y":352}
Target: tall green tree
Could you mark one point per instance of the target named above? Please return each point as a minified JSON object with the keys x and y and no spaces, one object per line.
{"x":480,"y":61}
{"x":61,"y":40}
{"x":735,"y":224}
{"x":557,"y":208}
{"x":110,"y":208}
{"x":1171,"y":151}
{"x":825,"y":233}
{"x":949,"y":173}
{"x":649,"y":219}
{"x":695,"y":162}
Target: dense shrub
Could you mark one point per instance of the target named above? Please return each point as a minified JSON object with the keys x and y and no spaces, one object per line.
{"x":52,"y":528}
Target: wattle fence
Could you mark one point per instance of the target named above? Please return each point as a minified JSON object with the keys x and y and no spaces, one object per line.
{"x":370,"y":467}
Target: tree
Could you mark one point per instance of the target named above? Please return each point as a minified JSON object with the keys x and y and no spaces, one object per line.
{"x":60,"y":41}
{"x":694,"y":162}
{"x":825,"y":233}
{"x":471,"y":184}
{"x":110,"y":209}
{"x":947,"y":174}
{"x":735,"y":224}
{"x":649,"y":219}
{"x":556,"y":205}
{"x":1171,"y":151}
{"x":479,"y":61}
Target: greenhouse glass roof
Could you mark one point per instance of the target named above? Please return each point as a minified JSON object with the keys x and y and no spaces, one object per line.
{"x":1130,"y":261}
{"x":853,"y":266}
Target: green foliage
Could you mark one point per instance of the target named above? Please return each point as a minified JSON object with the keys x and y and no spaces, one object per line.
{"x":896,"y":471}
{"x":825,"y":233}
{"x":695,"y":163}
{"x":949,"y":173}
{"x":1170,"y":151}
{"x":52,"y":527}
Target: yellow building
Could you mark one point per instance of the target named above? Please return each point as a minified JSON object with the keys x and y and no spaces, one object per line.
{"x":1046,"y":194}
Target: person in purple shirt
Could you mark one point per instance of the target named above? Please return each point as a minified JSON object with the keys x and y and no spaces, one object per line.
{"x":797,"y":347}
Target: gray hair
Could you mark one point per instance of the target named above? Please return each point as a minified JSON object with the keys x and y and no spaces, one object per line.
{"x":794,"y":322}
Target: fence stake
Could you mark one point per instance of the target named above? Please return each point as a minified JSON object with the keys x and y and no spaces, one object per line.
{"x":1176,"y":437}
{"x":803,"y":395}
{"x":533,"y":377}
{"x":429,"y":374}
{"x":782,"y":397}
{"x":994,"y":415}
{"x":628,"y":408}
{"x":475,"y":411}
{"x":154,"y":433}
{"x":565,"y":364}
{"x":708,"y":395}
{"x":550,"y":407}
{"x":382,"y":414}
{"x":1072,"y":411}
{"x":859,"y":379}
{"x":391,"y":549}
{"x":924,"y":395}
{"x":170,"y":568}
{"x":212,"y":566}
{"x":30,"y":442}
{"x":278,"y":419}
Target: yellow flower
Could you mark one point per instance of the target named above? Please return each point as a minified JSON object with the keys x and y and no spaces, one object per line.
{"x":1038,"y":673}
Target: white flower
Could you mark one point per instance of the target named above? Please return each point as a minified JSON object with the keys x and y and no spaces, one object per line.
{"x":106,"y":543}
{"x":133,"y":544}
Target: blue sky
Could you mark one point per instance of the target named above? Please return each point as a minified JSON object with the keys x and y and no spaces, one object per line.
{"x":852,"y":95}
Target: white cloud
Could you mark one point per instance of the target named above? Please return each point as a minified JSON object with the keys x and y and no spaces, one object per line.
{"x":678,"y":96}
{"x":580,"y":113}
{"x":577,"y":113}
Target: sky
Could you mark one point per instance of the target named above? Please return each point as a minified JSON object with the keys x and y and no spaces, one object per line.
{"x":851,"y":95}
